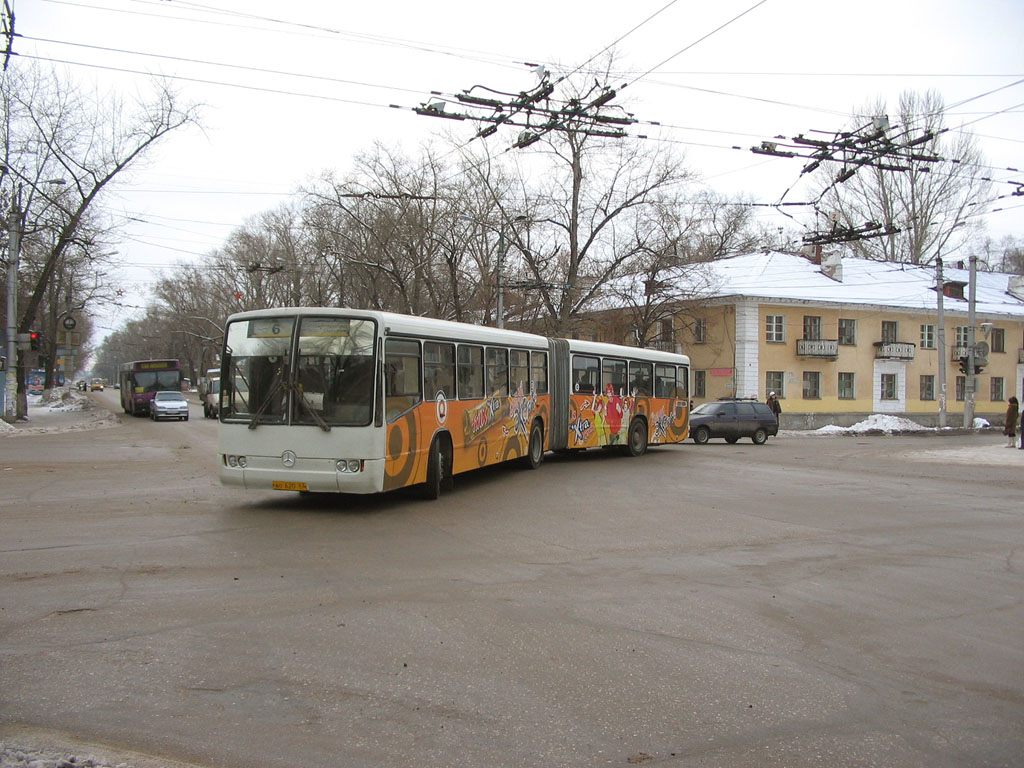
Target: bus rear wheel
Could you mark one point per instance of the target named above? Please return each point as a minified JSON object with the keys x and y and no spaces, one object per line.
{"x":637,"y":442}
{"x":535,"y":449}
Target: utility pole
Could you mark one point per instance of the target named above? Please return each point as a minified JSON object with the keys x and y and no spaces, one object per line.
{"x":941,"y":343}
{"x":500,"y":279}
{"x":14,"y":255}
{"x":970,"y":378}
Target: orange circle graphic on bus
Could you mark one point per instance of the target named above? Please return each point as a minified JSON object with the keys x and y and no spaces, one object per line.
{"x":402,"y":445}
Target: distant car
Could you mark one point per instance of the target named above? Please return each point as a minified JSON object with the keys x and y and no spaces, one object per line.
{"x":97,"y":384}
{"x":81,"y":385}
{"x":732,"y":419}
{"x":168,"y":405}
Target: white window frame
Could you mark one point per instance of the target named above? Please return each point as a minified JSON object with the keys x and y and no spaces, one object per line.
{"x":928,"y":336}
{"x":775,"y":329}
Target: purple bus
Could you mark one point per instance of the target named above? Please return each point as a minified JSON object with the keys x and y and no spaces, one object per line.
{"x":141,"y":379}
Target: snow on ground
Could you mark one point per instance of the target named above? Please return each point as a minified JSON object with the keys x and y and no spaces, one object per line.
{"x":63,"y":410}
{"x":877,"y":422}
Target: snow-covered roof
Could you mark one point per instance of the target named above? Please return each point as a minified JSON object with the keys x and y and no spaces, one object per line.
{"x":790,"y":277}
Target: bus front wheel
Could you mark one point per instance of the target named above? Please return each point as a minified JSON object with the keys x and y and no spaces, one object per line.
{"x":439,"y":470}
{"x":637,"y":445}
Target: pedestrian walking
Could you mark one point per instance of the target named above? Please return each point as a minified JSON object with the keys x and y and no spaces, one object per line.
{"x":773,"y":403}
{"x":1010,"y":425}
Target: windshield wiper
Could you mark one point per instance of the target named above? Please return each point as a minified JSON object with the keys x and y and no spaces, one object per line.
{"x":316,"y":416}
{"x":265,"y":404}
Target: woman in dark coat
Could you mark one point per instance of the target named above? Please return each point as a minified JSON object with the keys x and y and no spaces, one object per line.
{"x":1010,"y":427}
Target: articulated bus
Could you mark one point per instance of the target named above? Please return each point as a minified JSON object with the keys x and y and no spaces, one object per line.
{"x":354,"y":401}
{"x":141,"y":379}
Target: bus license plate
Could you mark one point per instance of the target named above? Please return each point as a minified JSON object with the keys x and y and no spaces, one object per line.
{"x":283,"y":485}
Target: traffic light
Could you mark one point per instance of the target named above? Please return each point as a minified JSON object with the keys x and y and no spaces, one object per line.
{"x":979,"y":368}
{"x":963,"y":365}
{"x":33,"y":340}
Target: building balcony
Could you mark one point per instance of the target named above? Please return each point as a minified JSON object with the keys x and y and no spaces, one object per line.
{"x":828,"y":348}
{"x":665,"y":346}
{"x":895,"y":350}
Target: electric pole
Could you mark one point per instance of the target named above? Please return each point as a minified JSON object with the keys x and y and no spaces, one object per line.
{"x":969,"y":379}
{"x":14,"y":255}
{"x":940,"y":342}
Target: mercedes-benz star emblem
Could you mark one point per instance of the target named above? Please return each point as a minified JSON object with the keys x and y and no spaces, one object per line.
{"x":288,"y":458}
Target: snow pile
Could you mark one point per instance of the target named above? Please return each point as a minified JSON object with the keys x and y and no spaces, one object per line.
{"x":27,"y":758}
{"x":877,"y":422}
{"x":60,"y":410}
{"x":60,"y":401}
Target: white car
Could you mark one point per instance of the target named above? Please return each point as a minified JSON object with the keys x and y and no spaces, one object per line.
{"x":168,"y":405}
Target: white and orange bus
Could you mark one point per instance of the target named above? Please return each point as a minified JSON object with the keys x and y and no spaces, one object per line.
{"x":354,"y":401}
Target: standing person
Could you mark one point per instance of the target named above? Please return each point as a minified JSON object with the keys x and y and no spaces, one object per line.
{"x":1010,"y":426}
{"x":773,"y":403}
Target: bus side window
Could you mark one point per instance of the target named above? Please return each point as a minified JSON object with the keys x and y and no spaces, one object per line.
{"x":539,"y":373}
{"x":640,"y":379}
{"x":585,"y":375}
{"x":438,"y":370}
{"x":402,"y":372}
{"x":519,"y":369}
{"x":497,"y":372}
{"x":682,"y":382}
{"x":614,"y":376}
{"x":664,"y":381}
{"x":471,"y":372}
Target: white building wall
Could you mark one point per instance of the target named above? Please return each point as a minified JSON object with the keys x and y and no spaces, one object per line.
{"x":899,"y":405}
{"x":748,"y":337}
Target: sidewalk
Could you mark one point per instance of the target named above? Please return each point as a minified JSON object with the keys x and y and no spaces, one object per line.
{"x":70,"y":410}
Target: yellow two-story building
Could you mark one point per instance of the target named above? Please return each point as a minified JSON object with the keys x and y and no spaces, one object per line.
{"x":838,"y":340}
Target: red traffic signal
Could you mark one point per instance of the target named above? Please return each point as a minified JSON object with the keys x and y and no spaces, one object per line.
{"x":33,"y":340}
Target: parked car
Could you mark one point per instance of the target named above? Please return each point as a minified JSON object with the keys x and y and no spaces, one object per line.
{"x":732,"y":419}
{"x":211,"y":399}
{"x":168,"y":405}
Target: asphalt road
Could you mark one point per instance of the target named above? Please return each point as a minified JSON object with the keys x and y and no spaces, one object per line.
{"x":849,"y":601}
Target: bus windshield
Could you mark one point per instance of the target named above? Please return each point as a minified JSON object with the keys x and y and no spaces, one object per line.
{"x":329,"y":382}
{"x":156,"y":381}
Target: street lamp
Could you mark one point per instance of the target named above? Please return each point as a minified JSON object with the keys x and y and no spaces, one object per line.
{"x":500,"y":282}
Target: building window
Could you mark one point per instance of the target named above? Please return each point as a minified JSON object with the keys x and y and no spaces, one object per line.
{"x":998,"y":338}
{"x":665,"y":335}
{"x":700,"y":381}
{"x":700,"y":331}
{"x":928,"y":387}
{"x":775,"y":329}
{"x":961,"y":388}
{"x":888,"y":387}
{"x":773,"y":382}
{"x":846,"y":388}
{"x":928,"y":336}
{"x":812,"y":327}
{"x":961,"y":336}
{"x":889,"y":332}
{"x":812,"y":385}
{"x":997,"y":389}
{"x":847,"y":332}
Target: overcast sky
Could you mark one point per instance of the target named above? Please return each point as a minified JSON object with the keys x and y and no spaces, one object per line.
{"x":725,"y":74}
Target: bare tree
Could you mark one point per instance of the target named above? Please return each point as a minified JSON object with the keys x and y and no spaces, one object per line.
{"x":55,"y":131}
{"x":931,"y":204}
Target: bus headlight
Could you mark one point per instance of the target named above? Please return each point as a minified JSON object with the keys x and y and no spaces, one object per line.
{"x":238,"y":462}
{"x":350,"y":465}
